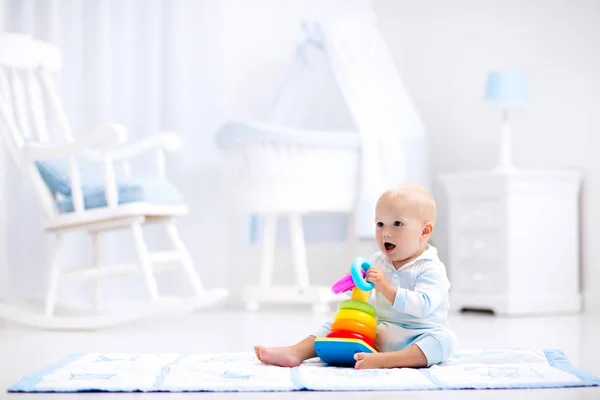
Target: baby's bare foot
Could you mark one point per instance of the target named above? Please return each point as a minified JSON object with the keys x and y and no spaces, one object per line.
{"x":368,"y":360}
{"x":257,"y":351}
{"x":280,"y":356}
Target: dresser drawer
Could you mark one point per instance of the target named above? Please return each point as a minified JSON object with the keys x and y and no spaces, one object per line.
{"x":479,"y":278}
{"x":483,"y":245}
{"x":479,"y":213}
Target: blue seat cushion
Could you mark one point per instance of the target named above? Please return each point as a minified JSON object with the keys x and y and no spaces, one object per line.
{"x":148,"y":190}
{"x":55,"y":173}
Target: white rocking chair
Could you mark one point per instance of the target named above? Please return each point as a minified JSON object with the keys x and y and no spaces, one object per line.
{"x":77,"y":196}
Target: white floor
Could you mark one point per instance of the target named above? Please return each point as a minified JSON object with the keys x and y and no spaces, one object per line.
{"x":23,"y":351}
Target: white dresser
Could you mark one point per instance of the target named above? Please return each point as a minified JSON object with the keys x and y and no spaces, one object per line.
{"x":514,"y":241}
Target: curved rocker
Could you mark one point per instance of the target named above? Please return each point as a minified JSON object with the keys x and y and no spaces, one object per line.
{"x":29,"y":316}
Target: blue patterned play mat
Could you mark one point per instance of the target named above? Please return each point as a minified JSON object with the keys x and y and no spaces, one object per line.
{"x":172,"y":372}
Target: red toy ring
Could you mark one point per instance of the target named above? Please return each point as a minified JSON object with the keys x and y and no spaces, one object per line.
{"x":350,"y":335}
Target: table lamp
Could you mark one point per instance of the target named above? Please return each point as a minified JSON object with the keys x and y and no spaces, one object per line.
{"x":507,"y":90}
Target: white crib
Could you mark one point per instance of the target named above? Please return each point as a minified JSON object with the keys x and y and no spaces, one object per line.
{"x":274,"y":172}
{"x":341,"y":129}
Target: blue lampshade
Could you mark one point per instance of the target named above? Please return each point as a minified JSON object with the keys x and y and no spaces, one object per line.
{"x":506,"y":88}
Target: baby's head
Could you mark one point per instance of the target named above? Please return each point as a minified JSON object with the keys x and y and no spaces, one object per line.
{"x":404,"y":218}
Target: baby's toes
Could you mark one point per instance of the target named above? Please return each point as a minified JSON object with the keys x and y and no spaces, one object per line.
{"x":257,"y":351}
{"x":359,"y":357}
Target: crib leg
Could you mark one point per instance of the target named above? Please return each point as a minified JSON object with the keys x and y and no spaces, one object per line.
{"x":301,"y":292}
{"x":268,"y":250}
{"x":267,"y":255}
{"x":299,"y":251}
{"x":96,"y":264}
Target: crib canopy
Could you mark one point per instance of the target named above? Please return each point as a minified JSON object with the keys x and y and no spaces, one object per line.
{"x":342,"y":78}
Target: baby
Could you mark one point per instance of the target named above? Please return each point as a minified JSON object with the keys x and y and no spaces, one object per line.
{"x":411,"y":291}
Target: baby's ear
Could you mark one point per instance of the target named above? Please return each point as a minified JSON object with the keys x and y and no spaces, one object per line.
{"x":427,"y":229}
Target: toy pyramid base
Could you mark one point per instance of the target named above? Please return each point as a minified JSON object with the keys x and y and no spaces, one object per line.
{"x":340,"y":352}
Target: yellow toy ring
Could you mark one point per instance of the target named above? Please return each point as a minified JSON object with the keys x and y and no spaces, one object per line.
{"x":358,"y":305}
{"x":349,"y":325}
{"x":358,"y":316}
{"x":360,"y":295}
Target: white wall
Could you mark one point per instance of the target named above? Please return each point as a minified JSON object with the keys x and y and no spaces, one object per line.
{"x":239,"y":53}
{"x":258,"y":42}
{"x":114,"y":73}
{"x":3,"y":225}
{"x":443,"y":50}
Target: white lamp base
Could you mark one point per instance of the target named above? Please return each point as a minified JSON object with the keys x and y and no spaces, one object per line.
{"x":506,"y":166}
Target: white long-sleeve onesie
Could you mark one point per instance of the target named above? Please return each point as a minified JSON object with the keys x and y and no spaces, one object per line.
{"x":419,"y":312}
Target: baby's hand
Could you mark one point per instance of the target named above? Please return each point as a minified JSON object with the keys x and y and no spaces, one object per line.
{"x":376,"y":276}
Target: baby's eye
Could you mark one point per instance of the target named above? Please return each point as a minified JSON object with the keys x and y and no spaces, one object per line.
{"x":379,"y":224}
{"x":398,"y":223}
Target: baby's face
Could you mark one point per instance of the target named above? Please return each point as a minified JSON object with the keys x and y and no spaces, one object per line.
{"x":399,"y":230}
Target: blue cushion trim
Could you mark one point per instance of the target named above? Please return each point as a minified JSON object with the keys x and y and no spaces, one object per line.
{"x":148,"y":190}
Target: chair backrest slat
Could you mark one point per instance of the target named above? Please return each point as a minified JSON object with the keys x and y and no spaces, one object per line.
{"x":42,"y":192}
{"x":36,"y":100}
{"x":15,"y":140}
{"x":5,"y":91}
{"x":20,"y":104}
{"x":30,"y":109}
{"x":55,"y":105}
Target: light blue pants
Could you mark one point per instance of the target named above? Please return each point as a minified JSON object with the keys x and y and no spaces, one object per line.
{"x":437,"y":343}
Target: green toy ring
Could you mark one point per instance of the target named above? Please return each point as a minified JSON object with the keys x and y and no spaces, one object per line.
{"x":358,"y":305}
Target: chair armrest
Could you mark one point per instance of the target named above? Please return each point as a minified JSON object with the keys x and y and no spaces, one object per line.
{"x":101,"y":138}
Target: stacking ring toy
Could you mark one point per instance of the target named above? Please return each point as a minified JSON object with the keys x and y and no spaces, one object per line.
{"x":356,"y":272}
{"x":360,"y":295}
{"x":355,"y":279}
{"x":349,"y":325}
{"x":358,"y":305}
{"x":344,"y":284}
{"x":351,"y":335}
{"x":353,"y":329}
{"x":358,"y":316}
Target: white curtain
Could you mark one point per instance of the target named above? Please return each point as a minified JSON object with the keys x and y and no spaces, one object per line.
{"x":144,"y":63}
{"x":151,"y":65}
{"x":342,"y":77}
{"x":394,"y":141}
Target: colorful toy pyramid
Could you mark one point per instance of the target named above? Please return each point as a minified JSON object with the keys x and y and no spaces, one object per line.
{"x":354,"y":325}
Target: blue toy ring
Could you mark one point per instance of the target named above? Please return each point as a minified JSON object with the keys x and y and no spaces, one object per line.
{"x":355,"y":270}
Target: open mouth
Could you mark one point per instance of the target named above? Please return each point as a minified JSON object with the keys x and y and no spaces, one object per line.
{"x":389,"y":247}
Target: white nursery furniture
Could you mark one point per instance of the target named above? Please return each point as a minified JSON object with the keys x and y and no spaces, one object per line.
{"x":514,"y":241}
{"x":341,"y":129}
{"x":76,"y":180}
{"x":277,"y":172}
{"x":507,"y":91}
